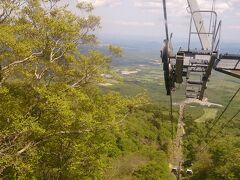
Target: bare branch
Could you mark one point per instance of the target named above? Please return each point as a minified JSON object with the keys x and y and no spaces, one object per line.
{"x":55,"y":51}
{"x":58,"y":57}
{"x":39,"y":75}
{"x":21,"y":61}
{"x":76,"y":84}
{"x":24,"y":149}
{"x":35,"y":73}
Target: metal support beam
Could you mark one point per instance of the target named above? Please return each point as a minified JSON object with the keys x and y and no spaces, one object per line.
{"x":232,"y":73}
{"x":199,"y":24}
{"x":207,"y":75}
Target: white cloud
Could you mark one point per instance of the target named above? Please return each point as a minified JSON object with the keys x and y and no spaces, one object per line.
{"x":99,"y":3}
{"x":178,"y":7}
{"x":146,"y":16}
{"x":134,"y":23}
{"x":147,"y":4}
{"x":236,"y":27}
{"x":220,"y":6}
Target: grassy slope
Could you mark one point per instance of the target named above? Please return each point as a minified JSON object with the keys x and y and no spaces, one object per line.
{"x":209,"y":114}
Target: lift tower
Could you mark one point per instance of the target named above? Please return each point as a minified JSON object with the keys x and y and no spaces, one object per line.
{"x":196,"y":64}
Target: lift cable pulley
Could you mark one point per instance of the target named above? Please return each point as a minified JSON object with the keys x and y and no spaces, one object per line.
{"x":165,"y":59}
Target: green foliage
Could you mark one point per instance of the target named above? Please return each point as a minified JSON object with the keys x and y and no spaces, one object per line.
{"x":144,"y":145}
{"x":156,"y":168}
{"x":57,"y":131}
{"x":54,"y":122}
{"x":152,"y":171}
{"x":42,"y":39}
{"x":226,"y":156}
{"x":115,"y":50}
{"x":221,"y":161}
{"x":212,"y":158}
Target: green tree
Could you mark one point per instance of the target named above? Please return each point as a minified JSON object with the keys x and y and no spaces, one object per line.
{"x":54,"y":122}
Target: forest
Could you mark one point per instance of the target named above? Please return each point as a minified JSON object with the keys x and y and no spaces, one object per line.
{"x":57,"y":123}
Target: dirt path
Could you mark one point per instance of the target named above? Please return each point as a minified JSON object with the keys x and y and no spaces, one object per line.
{"x":177,"y":154}
{"x":176,"y":157}
{"x":180,"y":132}
{"x":204,"y":102}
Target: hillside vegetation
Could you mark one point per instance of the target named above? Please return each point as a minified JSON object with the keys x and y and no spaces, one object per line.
{"x":57,"y":123}
{"x":54,"y":121}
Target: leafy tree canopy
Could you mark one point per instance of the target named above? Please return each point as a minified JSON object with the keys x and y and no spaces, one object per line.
{"x":54,"y":122}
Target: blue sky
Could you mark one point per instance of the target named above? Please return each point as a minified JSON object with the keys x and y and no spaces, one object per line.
{"x":144,"y":18}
